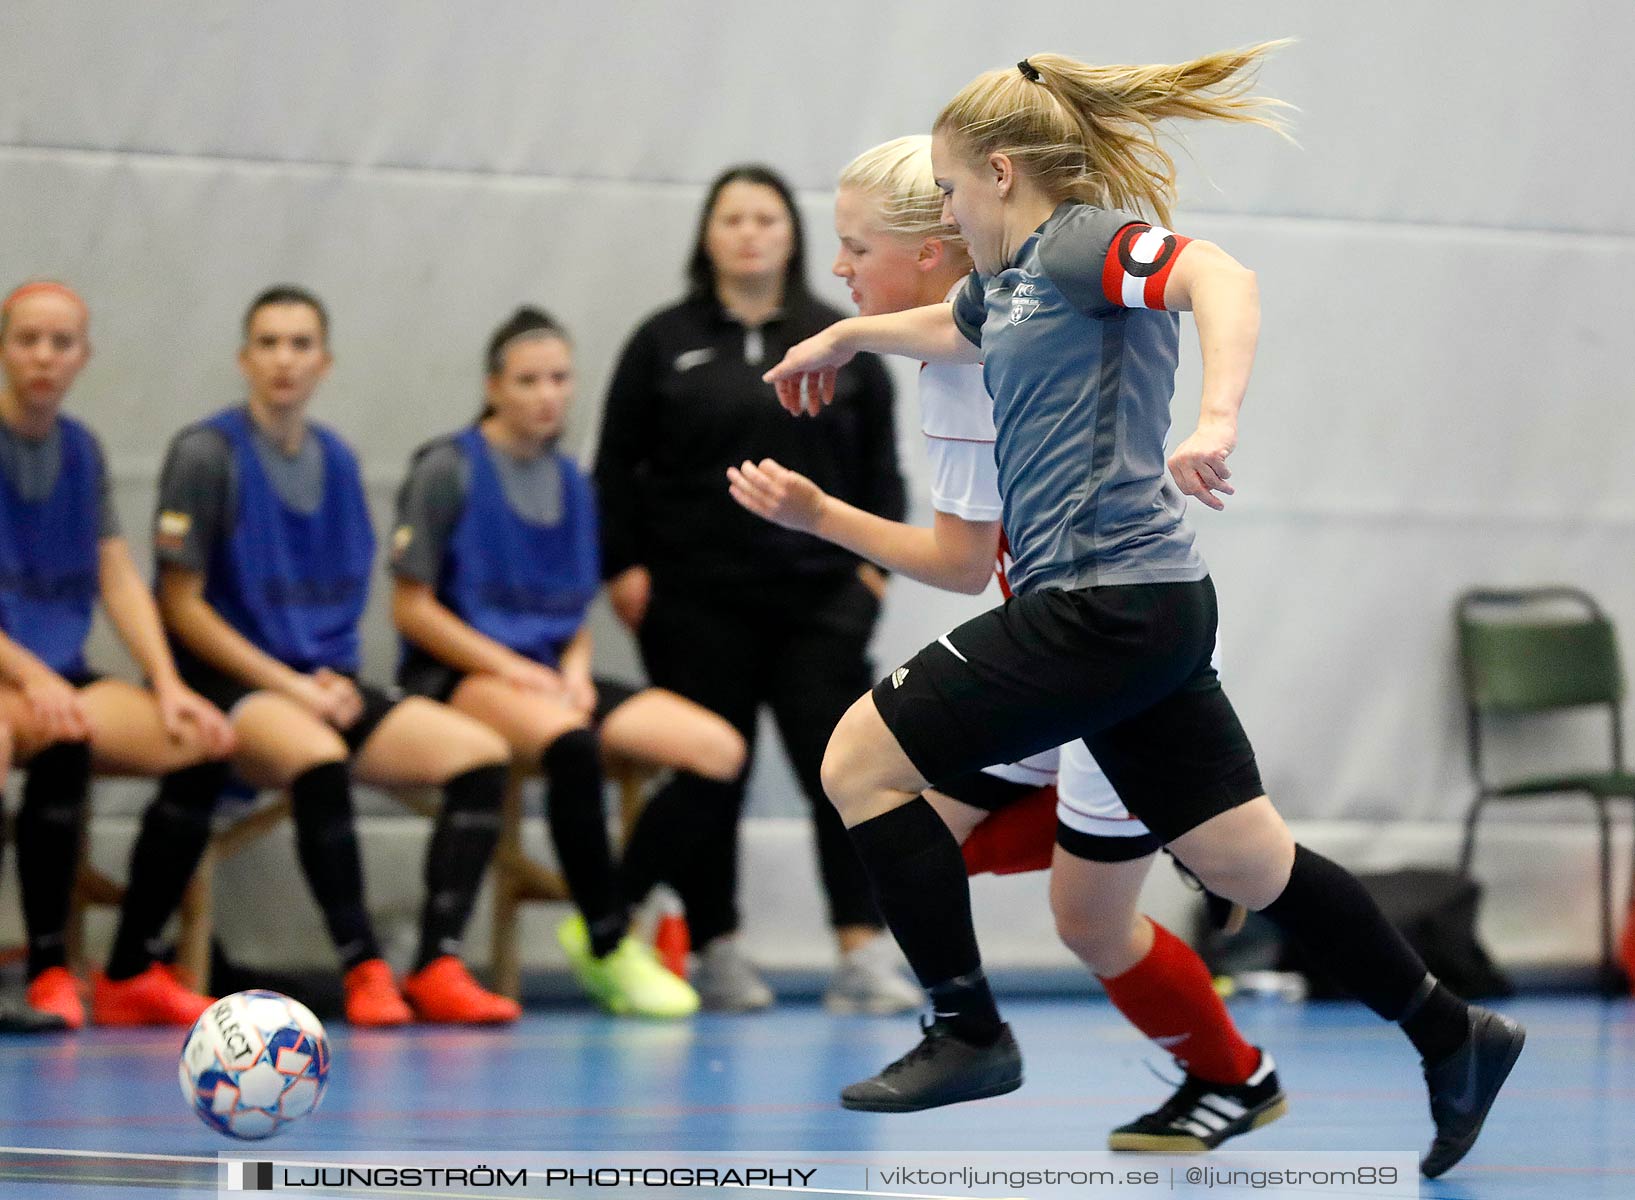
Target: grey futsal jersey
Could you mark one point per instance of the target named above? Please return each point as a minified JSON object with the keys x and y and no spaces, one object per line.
{"x":432,"y":498}
{"x":198,"y":489}
{"x":1081,"y":385}
{"x":31,"y":467}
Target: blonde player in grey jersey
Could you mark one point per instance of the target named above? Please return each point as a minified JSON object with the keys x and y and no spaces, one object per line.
{"x":1053,"y":172}
{"x":896,"y":253}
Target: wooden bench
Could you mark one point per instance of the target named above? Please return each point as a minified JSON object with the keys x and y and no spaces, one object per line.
{"x":518,"y":878}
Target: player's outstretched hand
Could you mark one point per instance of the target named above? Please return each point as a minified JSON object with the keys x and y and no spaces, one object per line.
{"x":809,"y":370}
{"x":1199,"y":463}
{"x":772,"y":491}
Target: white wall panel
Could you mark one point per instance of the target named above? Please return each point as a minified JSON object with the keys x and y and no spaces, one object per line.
{"x":1507,"y":116}
{"x":1441,"y":396}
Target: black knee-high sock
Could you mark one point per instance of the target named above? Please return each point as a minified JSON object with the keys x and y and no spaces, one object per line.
{"x":578,"y":825}
{"x":326,"y":842}
{"x":462,"y":843}
{"x":649,"y":855}
{"x":175,"y":831}
{"x":919,"y":879}
{"x":846,"y":884}
{"x":1343,"y":931}
{"x":48,"y":832}
{"x":684,"y":838}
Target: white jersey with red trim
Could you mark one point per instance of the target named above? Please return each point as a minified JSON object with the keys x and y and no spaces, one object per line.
{"x":1038,"y":771}
{"x":956,"y":417}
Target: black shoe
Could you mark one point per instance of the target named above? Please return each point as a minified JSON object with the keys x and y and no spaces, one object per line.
{"x":20,"y":1018}
{"x":942,"y":1069}
{"x":1464,"y":1084}
{"x":1201,"y":1115}
{"x":1226,"y":915}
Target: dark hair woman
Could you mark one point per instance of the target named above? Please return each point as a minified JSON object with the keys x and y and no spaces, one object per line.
{"x":732,"y":612}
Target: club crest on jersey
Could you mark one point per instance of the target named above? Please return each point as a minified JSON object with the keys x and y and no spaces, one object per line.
{"x":1024,"y":302}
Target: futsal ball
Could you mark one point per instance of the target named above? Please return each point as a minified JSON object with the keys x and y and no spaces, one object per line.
{"x":254,"y":1062}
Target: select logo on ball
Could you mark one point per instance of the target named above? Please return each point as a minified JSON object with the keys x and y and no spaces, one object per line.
{"x":254,"y":1062}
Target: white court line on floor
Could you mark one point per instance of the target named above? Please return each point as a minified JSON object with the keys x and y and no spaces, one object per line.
{"x":127,"y":1155}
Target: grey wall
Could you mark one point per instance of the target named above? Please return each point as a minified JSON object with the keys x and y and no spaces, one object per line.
{"x":1441,"y":395}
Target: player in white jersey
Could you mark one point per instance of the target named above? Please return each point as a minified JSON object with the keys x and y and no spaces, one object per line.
{"x":896,"y":254}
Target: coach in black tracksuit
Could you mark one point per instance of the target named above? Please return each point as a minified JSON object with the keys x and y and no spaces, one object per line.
{"x":731,"y":611}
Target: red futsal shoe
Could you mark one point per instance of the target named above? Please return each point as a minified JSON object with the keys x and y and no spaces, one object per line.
{"x":372,"y":998}
{"x":155,"y":997}
{"x":55,"y":990}
{"x":444,"y":992}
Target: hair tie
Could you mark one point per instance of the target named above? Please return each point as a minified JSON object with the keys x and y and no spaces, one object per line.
{"x":38,"y":286}
{"x":1029,"y":71}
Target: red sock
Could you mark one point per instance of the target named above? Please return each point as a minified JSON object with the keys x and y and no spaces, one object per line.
{"x":1169,"y":997}
{"x":1019,"y":837}
{"x":1626,"y":947}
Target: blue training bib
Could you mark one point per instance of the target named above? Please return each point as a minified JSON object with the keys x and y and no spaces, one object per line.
{"x":48,"y":556}
{"x":524,"y":584}
{"x":294,"y":583}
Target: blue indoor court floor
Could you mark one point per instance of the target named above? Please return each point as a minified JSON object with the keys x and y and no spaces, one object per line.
{"x":564,"y":1079}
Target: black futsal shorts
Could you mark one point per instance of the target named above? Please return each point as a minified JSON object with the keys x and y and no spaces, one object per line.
{"x":1126,"y":668}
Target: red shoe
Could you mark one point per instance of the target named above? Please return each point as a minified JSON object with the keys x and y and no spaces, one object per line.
{"x":54,"y":990}
{"x":155,"y":997}
{"x":672,"y":942}
{"x":444,"y":991}
{"x":372,"y":997}
{"x":1626,"y":947}
{"x":181,"y":975}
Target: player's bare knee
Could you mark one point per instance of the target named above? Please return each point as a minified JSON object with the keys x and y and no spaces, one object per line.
{"x":1239,"y":874}
{"x":845,"y":763}
{"x":721,"y":755}
{"x":1076,"y":929}
{"x":1102,"y":944}
{"x":1244,"y":854}
{"x":481,"y":747}
{"x":851,"y":780}
{"x":839,"y":780}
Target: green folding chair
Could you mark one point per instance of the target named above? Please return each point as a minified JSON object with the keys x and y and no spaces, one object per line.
{"x":1537,"y":651}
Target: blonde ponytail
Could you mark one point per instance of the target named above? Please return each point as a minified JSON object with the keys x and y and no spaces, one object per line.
{"x":1091,"y":132}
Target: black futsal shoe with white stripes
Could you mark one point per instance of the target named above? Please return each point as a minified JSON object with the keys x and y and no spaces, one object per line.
{"x":942,"y":1069}
{"x":1201,"y":1115}
{"x":1464,"y":1085}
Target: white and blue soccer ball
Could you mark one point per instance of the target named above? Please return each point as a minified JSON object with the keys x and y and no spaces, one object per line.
{"x":254,"y":1062}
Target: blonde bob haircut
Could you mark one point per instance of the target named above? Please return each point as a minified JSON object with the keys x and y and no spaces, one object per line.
{"x":897,"y":176}
{"x":1083,"y":132}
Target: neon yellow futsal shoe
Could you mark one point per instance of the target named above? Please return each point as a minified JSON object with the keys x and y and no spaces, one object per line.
{"x":629,"y":982}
